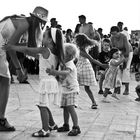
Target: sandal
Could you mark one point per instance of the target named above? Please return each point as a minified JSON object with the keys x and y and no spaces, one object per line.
{"x":64,"y":128}
{"x":137,"y":99}
{"x":75,"y":131}
{"x":109,"y":92}
{"x":41,"y":133}
{"x":126,"y":93}
{"x":94,"y":106}
{"x":54,"y":127}
{"x":24,"y":82}
{"x":100,"y":92}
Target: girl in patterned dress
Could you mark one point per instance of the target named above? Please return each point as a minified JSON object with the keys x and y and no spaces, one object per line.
{"x":86,"y":75}
{"x":113,"y":75}
{"x":50,"y":55}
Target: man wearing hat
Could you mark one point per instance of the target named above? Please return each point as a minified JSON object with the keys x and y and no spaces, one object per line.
{"x":11,"y":29}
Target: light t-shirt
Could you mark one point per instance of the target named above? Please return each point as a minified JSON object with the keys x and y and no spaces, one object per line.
{"x":70,"y":83}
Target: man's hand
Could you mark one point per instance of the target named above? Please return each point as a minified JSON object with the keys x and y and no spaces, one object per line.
{"x":21,"y":76}
{"x":50,"y":71}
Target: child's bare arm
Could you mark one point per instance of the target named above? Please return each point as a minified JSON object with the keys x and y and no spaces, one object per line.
{"x":58,"y":72}
{"x":92,"y":60}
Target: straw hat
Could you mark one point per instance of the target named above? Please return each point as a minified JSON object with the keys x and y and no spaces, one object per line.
{"x":40,"y":13}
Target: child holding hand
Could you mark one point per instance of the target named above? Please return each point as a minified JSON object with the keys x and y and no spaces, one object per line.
{"x":113,"y":76}
{"x":50,"y":54}
{"x":70,"y":89}
{"x":86,"y":74}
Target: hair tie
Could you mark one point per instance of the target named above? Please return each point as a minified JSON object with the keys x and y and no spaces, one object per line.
{"x":53,"y":34}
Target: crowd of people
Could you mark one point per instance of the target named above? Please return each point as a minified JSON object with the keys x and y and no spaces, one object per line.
{"x":83,"y":57}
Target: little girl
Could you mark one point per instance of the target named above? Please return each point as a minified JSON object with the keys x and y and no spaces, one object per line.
{"x":86,"y":75}
{"x":70,"y":89}
{"x":112,"y":76}
{"x":50,"y":55}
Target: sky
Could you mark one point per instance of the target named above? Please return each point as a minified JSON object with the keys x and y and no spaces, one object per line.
{"x":102,"y":13}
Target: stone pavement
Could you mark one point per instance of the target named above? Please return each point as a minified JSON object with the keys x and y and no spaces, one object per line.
{"x":118,"y":120}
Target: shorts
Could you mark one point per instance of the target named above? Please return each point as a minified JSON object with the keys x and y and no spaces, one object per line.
{"x":126,"y":71}
{"x":4,"y":67}
{"x":125,"y":75}
{"x":69,"y":99}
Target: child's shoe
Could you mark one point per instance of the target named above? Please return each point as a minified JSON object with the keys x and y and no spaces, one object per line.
{"x":64,"y":128}
{"x":109,"y":92}
{"x":126,"y":92}
{"x":94,"y":106}
{"x":41,"y":133}
{"x":100,"y":92}
{"x":137,"y":99}
{"x":5,"y":126}
{"x":54,"y":127}
{"x":75,"y":131}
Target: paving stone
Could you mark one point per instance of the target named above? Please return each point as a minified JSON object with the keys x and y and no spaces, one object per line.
{"x":118,"y":120}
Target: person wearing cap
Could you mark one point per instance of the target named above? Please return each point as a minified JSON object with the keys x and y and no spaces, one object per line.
{"x":50,"y":55}
{"x":11,"y":29}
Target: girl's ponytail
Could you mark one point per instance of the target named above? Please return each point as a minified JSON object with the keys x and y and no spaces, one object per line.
{"x":60,"y":46}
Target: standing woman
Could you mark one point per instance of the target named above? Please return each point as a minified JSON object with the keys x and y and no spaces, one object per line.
{"x":11,"y":29}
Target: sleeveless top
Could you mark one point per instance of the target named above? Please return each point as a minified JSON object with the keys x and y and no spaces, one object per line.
{"x":48,"y":83}
{"x":47,"y":63}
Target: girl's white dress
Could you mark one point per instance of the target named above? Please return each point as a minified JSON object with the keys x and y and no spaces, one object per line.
{"x":48,"y":87}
